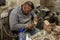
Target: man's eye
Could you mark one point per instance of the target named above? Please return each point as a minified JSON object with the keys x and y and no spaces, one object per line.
{"x":25,"y":7}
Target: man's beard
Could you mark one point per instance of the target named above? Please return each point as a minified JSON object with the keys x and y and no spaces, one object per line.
{"x":25,"y":13}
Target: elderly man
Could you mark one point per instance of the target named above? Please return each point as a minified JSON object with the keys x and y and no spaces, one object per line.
{"x":24,"y":17}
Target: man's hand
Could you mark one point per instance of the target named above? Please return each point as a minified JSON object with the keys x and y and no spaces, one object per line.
{"x":31,"y":26}
{"x":35,"y":20}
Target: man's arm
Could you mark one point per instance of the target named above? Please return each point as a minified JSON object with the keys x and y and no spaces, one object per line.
{"x":35,"y":19}
{"x":13,"y":20}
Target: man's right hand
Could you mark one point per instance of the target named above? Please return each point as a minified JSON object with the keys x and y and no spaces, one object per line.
{"x":31,"y":26}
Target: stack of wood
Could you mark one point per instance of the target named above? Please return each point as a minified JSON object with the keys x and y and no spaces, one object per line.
{"x":52,"y":29}
{"x":57,"y":33}
{"x":50,"y":32}
{"x":43,"y":35}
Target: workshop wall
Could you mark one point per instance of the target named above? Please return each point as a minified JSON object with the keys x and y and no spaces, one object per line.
{"x":58,"y":5}
{"x":48,"y":3}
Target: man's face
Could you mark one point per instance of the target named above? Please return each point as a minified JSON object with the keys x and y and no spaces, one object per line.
{"x":26,"y":9}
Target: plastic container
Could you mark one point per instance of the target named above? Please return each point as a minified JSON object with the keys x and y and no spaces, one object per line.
{"x":22,"y":35}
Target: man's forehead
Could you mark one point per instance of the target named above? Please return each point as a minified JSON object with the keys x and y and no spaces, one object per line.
{"x":27,"y":5}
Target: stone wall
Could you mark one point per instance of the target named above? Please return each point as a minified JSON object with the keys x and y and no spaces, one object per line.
{"x":58,"y":5}
{"x":48,"y":3}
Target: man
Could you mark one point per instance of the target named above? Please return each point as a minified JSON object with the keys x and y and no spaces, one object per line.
{"x":24,"y":17}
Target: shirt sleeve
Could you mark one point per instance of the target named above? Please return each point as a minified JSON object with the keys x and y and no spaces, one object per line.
{"x":13,"y":21}
{"x":33,"y":14}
